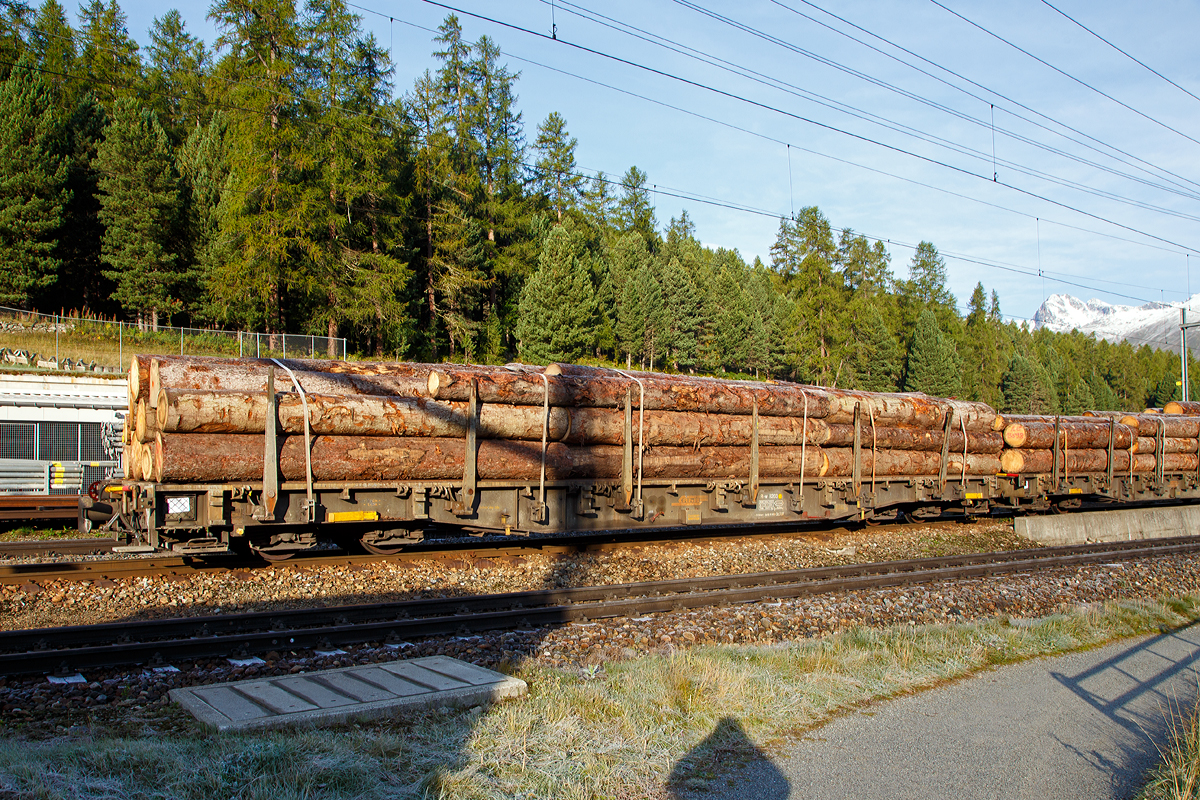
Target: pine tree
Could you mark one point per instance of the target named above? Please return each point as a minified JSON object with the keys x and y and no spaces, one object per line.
{"x":933,"y":367}
{"x":109,"y":56}
{"x":498,"y":130}
{"x":80,"y":274}
{"x":262,"y":217}
{"x":33,"y":175}
{"x":15,"y":17}
{"x":203,"y":172}
{"x":635,"y":212}
{"x":681,"y":315}
{"x":555,"y":174}
{"x":139,"y":204}
{"x":926,"y":288}
{"x":52,"y":42}
{"x":558,"y":304}
{"x":1018,"y":386}
{"x":878,"y":360}
{"x":178,"y":64}
{"x":625,"y":259}
{"x":804,"y":259}
{"x":1165,"y":390}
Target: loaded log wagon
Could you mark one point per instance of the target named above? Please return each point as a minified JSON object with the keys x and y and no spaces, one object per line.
{"x":277,"y":455}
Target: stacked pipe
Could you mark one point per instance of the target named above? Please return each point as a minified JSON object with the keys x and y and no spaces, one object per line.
{"x":195,"y":419}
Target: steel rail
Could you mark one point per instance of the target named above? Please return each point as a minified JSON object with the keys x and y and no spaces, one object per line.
{"x":158,"y":641}
{"x":166,"y":564}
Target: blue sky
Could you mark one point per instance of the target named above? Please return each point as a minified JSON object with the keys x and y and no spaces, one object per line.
{"x":740,"y":156}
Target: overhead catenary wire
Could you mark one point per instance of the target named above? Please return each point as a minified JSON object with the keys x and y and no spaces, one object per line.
{"x":1159,"y":170}
{"x":391,"y":19}
{"x":1131,"y":57}
{"x":867,"y":116}
{"x":798,"y":117}
{"x":662,"y":190}
{"x":1066,"y":74}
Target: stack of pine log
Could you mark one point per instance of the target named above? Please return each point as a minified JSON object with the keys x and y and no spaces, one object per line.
{"x":1083,"y":441}
{"x":202,"y":420}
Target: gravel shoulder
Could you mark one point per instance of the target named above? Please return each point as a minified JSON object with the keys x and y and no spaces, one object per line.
{"x":1083,"y":725}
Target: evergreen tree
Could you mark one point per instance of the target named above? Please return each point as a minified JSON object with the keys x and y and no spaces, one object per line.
{"x":178,"y":63}
{"x":878,"y":362}
{"x":558,"y":304}
{"x":1165,"y":390}
{"x":80,"y":275}
{"x":1019,"y":386}
{"x":933,"y":367}
{"x":15,"y":16}
{"x":804,"y":258}
{"x":52,"y":42}
{"x":139,"y":204}
{"x":554,"y":172}
{"x":262,"y":217}
{"x":33,"y":175}
{"x":926,"y":289}
{"x":635,"y":212}
{"x":626,"y":259}
{"x":203,"y":174}
{"x":1026,"y":388}
{"x":681,"y":315}
{"x":109,"y":56}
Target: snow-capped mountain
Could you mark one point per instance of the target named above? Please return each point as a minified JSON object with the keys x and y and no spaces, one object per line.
{"x":1153,"y":324}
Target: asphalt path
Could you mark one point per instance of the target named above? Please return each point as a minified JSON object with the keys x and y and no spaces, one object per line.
{"x":1082,"y":725}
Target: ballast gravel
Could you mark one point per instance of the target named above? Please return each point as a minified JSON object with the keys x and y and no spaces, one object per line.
{"x":134,"y":700}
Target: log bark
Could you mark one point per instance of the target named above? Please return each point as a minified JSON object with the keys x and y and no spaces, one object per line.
{"x":1173,"y":426}
{"x":1075,"y":432}
{"x":250,"y":375}
{"x":182,"y":411}
{"x":1190,"y":408}
{"x":239,"y":457}
{"x":1147,"y":444}
{"x":523,"y":386}
{"x":1079,"y":461}
{"x":596,"y":387}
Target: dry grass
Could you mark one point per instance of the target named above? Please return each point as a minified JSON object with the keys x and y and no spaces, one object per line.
{"x":1177,"y":777}
{"x":96,"y":341}
{"x":616,"y":731}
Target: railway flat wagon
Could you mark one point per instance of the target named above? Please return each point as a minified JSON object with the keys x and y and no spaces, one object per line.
{"x":278,"y":455}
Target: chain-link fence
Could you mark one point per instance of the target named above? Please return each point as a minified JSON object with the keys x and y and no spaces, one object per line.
{"x":80,"y":344}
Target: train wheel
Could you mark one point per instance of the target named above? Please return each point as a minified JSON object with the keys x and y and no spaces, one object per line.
{"x":381,"y":550}
{"x":273,"y":556}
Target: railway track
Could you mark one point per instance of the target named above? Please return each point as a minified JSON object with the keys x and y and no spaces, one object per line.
{"x":37,"y":507}
{"x":160,"y":565}
{"x":162,"y":641}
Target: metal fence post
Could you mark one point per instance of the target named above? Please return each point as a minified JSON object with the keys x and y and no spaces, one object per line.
{"x":56,"y":341}
{"x":120,"y":345}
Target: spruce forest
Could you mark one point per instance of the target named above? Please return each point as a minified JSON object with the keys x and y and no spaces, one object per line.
{"x":270,"y":181}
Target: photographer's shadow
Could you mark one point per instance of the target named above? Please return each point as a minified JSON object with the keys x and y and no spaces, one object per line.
{"x":709,"y":768}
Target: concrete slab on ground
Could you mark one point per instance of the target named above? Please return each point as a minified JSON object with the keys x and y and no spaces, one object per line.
{"x":348,"y":693}
{"x":1110,"y":526}
{"x":1081,"y":725}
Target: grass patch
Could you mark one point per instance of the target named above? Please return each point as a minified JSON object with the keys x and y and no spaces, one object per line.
{"x":616,"y":731}
{"x":1177,"y":776}
{"x":26,"y":533}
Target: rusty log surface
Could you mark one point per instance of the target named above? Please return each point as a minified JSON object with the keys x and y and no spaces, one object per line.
{"x":184,"y":411}
{"x":239,"y":457}
{"x":1148,"y":444}
{"x":1076,"y":432}
{"x":1042,"y":461}
{"x":1173,"y":426}
{"x":1190,"y":408}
